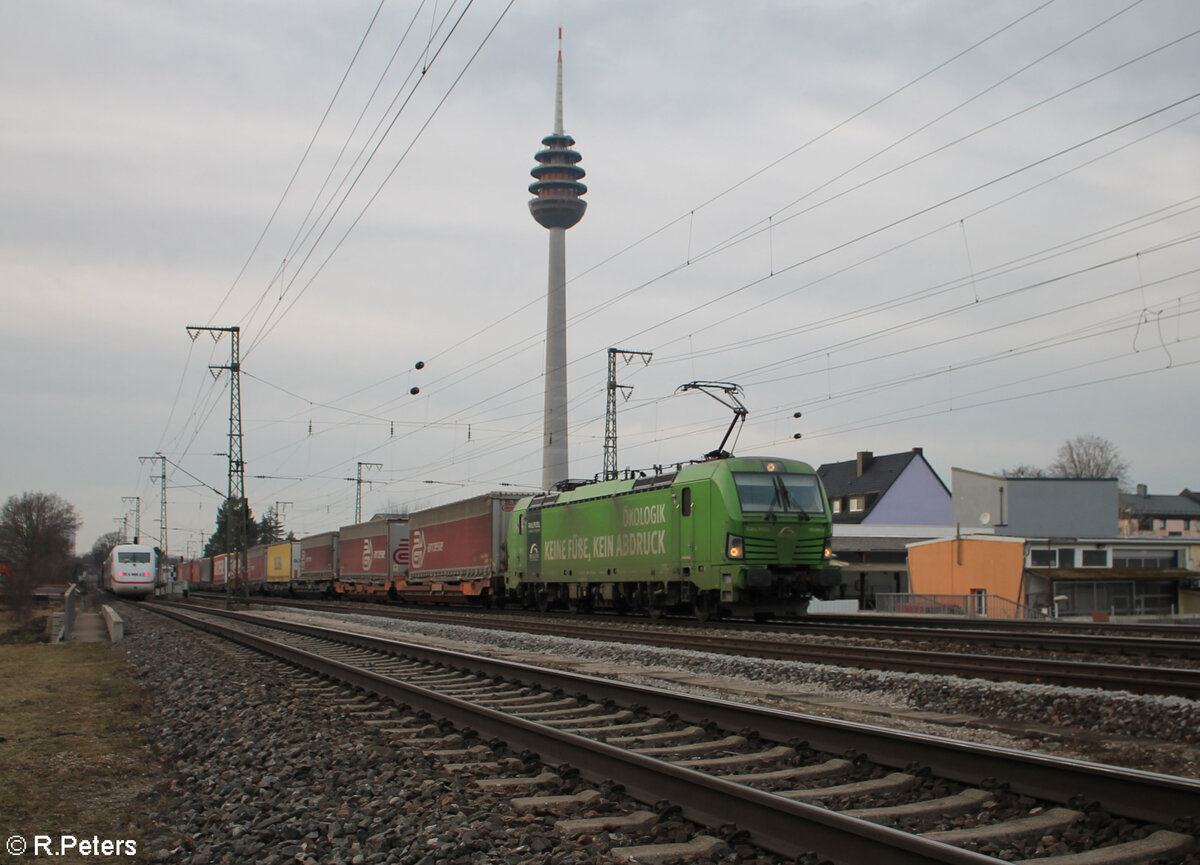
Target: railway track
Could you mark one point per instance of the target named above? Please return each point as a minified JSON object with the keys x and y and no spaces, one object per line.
{"x":1129,"y":639}
{"x":1174,"y":630}
{"x":788,"y":645}
{"x":799,"y":785}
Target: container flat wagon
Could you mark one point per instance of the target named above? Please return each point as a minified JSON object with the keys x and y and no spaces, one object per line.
{"x":372,"y":556}
{"x":227,"y":571}
{"x":204,"y":574}
{"x":283,"y":566}
{"x":256,"y":568}
{"x":185,"y":572}
{"x":318,"y":563}
{"x":458,"y":551}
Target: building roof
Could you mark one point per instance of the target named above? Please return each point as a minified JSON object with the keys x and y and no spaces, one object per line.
{"x":867,"y":475}
{"x":1101,"y":574}
{"x":1142,"y":504}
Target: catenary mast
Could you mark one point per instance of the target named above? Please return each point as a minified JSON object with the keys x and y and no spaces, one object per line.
{"x":556,"y":206}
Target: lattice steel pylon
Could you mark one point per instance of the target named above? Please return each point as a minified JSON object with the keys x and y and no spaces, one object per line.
{"x":358,"y":482}
{"x":162,"y":504}
{"x":235,"y":528}
{"x":610,"y":414}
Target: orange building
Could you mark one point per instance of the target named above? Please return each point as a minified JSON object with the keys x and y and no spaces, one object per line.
{"x":975,"y":565}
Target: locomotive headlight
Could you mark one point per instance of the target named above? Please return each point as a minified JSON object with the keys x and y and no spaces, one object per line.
{"x":828,"y":553}
{"x":734,"y":547}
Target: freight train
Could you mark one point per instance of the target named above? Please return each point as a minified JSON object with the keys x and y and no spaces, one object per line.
{"x":732,"y":536}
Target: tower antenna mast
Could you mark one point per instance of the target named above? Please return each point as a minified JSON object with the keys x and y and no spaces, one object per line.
{"x":556,"y":206}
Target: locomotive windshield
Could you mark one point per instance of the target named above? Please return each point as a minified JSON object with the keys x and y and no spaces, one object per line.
{"x":134,"y":558}
{"x":778,"y":493}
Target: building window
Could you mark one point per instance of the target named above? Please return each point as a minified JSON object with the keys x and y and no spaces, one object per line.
{"x":835,"y":505}
{"x":1066,"y":558}
{"x":1095,"y":558}
{"x":1043,"y":558}
{"x":1145,"y":558}
{"x":858,"y":503}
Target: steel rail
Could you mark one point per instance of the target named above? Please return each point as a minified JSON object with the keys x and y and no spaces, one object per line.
{"x":984,"y":634}
{"x":781,"y":825}
{"x":1169,"y":681}
{"x":1177,"y":641}
{"x":1175,"y":630}
{"x":1139,"y":795}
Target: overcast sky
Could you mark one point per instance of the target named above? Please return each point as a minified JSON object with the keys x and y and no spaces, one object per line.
{"x":969,"y":227}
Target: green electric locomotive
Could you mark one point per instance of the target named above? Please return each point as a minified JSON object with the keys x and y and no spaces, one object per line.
{"x":741,"y":536}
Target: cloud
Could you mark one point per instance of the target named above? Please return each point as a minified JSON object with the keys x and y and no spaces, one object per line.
{"x":751,"y":216}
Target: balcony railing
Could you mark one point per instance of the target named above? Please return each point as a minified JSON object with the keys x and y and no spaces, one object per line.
{"x":981,"y":606}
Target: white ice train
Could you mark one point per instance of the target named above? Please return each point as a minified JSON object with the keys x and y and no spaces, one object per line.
{"x":130,"y":570}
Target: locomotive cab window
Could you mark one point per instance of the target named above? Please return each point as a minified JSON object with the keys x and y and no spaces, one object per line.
{"x":134,"y":558}
{"x":778,"y":493}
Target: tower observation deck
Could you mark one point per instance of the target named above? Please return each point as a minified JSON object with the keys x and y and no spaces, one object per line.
{"x":556,"y":206}
{"x":557,"y":187}
{"x":556,"y":177}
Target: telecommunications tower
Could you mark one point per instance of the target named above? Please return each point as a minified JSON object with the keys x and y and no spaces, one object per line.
{"x":556,"y":206}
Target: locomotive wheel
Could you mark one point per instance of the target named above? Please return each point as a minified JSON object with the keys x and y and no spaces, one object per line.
{"x":706,"y":608}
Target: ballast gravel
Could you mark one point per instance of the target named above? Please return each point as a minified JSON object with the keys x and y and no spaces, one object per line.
{"x":1118,"y":727}
{"x":256,"y":770}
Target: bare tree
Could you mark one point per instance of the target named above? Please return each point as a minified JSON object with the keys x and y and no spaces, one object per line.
{"x":37,"y":534}
{"x":101,"y":548}
{"x":1023,"y":470}
{"x":1088,"y":456}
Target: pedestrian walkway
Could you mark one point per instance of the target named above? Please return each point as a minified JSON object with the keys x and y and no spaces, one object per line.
{"x":90,"y":628}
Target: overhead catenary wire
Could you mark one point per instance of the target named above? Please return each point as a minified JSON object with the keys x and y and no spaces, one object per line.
{"x":531,"y":379}
{"x":737,"y":238}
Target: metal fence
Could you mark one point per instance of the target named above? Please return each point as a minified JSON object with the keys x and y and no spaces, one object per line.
{"x":983,"y":606}
{"x":68,"y":627}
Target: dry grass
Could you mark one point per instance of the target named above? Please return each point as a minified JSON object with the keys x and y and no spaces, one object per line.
{"x":72,"y":757}
{"x":34,"y":630}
